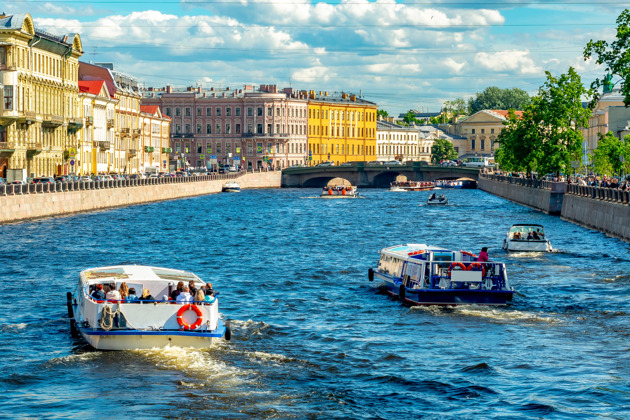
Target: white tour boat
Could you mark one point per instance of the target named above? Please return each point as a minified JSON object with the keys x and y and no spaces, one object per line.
{"x":142,"y":324}
{"x":438,"y":200}
{"x":420,"y":274}
{"x":526,"y":238}
{"x":339,"y":191}
{"x":411,"y":186}
{"x":231,"y":186}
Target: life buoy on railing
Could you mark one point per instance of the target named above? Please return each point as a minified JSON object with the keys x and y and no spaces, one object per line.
{"x":457,"y":264}
{"x":477,"y":266}
{"x":189,"y":307}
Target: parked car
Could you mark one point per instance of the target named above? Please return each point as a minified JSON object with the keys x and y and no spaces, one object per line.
{"x":346,"y":164}
{"x":448,"y":163}
{"x":44,"y":180}
{"x":63,"y":178}
{"x":85,"y":178}
{"x":393,"y":162}
{"x":326,"y":164}
{"x":19,"y":182}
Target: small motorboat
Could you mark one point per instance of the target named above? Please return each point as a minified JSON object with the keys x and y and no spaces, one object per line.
{"x":435,"y":199}
{"x":526,"y":238}
{"x":420,"y":274}
{"x":142,"y":323}
{"x":231,"y":186}
{"x":339,"y":191}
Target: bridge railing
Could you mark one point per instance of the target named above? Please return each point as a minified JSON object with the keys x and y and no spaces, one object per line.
{"x":58,"y":187}
{"x":611,"y":195}
{"x":542,"y":184}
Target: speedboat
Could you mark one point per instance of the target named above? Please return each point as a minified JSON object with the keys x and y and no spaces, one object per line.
{"x":411,"y":186}
{"x":437,"y":200}
{"x":142,"y":324}
{"x":527,"y":238}
{"x":339,"y":191}
{"x":231,"y":186}
{"x":420,"y":274}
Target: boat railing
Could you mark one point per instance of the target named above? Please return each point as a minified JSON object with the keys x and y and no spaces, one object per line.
{"x":440,"y":276}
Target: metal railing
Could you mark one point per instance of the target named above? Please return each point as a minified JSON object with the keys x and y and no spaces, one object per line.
{"x":611,"y":195}
{"x":542,"y":184}
{"x":58,"y":187}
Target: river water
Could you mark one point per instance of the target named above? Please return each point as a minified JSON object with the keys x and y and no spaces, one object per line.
{"x":311,"y":337}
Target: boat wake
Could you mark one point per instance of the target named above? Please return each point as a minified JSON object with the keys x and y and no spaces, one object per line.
{"x":503,"y":315}
{"x":13,"y":327}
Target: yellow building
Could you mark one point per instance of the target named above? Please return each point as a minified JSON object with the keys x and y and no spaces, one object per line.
{"x":155,"y":138}
{"x":479,"y":132}
{"x":340,"y":129}
{"x":40,"y":112}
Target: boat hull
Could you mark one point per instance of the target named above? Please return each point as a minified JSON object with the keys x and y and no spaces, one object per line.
{"x":232,"y":190}
{"x":454,"y":297}
{"x":139,"y":340}
{"x":527,"y":246}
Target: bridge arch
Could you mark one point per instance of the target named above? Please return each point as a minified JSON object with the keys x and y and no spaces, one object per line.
{"x":322,"y":181}
{"x":384,"y":179}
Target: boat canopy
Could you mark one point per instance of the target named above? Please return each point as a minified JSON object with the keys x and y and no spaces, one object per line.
{"x":526,"y":228}
{"x":133,"y":273}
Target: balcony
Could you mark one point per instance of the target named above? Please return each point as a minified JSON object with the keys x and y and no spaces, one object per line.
{"x":33,"y":149}
{"x":110,"y":123}
{"x":167,"y":150}
{"x":27,"y":117}
{"x":136,"y":132}
{"x":124,"y":131}
{"x":74,"y":125}
{"x":149,"y":149}
{"x":89,"y":121}
{"x":52,"y":121}
{"x":6,"y":149}
{"x":132,"y":152}
{"x":103,"y":145}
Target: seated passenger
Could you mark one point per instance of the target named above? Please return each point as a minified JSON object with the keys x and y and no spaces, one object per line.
{"x":123,"y":290}
{"x":530,"y":236}
{"x":540,"y":234}
{"x":146,"y":295}
{"x":200,"y":297}
{"x":113,"y":294}
{"x":535,"y":236}
{"x":98,"y":294}
{"x":209,"y":291}
{"x":184,"y":296}
{"x":193,"y":289}
{"x":132,"y":296}
{"x":176,"y":292}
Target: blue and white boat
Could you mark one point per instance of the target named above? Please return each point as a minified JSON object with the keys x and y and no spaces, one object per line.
{"x":420,"y":274}
{"x":143,"y":324}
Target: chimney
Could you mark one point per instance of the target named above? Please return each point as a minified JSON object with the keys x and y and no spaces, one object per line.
{"x":169,"y":89}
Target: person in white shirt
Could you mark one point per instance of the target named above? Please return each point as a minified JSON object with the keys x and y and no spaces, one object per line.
{"x":113,"y":294}
{"x":184,"y":296}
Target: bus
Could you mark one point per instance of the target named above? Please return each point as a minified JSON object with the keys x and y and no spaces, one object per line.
{"x":479,"y":162}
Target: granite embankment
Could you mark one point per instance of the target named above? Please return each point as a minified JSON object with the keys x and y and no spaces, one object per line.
{"x":603,"y":209}
{"x":34,"y":201}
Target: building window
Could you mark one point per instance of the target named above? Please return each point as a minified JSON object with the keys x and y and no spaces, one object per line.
{"x":473,"y":131}
{"x":187,"y":112}
{"x":178,"y":129}
{"x":217,"y":129}
{"x":259,"y":111}
{"x":492,"y":131}
{"x":188,"y":129}
{"x":228,"y":148}
{"x":483,"y":144}
{"x":237,"y":128}
{"x":259,"y":148}
{"x":199,"y":127}
{"x":199,"y":148}
{"x":228,"y":128}
{"x":483,"y":130}
{"x":218,"y":147}
{"x":472,"y":144}
{"x":237,"y":112}
{"x":187,"y":148}
{"x":228,"y":112}
{"x":8,"y":97}
{"x":218,"y":112}
{"x":178,"y":112}
{"x":168,"y":112}
{"x":250,"y":112}
{"x":208,"y":128}
{"x":209,"y":148}
{"x":250,"y":148}
{"x":259,"y":129}
{"x":270,"y":112}
{"x":178,"y":147}
{"x":199,"y":111}
{"x":208,"y":112}
{"x":269,"y":128}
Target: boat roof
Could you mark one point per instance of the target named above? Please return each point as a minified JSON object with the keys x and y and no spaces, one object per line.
{"x":404,"y":250}
{"x":135,"y":273}
{"x":526,"y":224}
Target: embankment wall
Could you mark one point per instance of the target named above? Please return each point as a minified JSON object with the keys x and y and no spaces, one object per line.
{"x":546,"y":200}
{"x":611,"y":218}
{"x":29,"y":206}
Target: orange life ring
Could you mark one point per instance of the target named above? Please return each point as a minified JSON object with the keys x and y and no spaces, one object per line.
{"x":457,"y":264}
{"x":478,"y":265}
{"x":180,"y":319}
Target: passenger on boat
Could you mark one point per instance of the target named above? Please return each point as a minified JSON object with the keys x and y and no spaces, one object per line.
{"x":191,"y":286}
{"x":199,"y":297}
{"x":209,"y":290}
{"x":483,"y":255}
{"x":98,"y":294}
{"x":123,"y":290}
{"x":540,"y":234}
{"x":113,"y":294}
{"x":432,"y":196}
{"x":535,"y":236}
{"x":176,"y":292}
{"x":184,"y":296}
{"x":530,"y":236}
{"x":146,"y":295}
{"x":132,"y":298}
{"x":517,"y":235}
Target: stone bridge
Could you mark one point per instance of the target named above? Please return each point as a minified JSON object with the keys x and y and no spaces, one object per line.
{"x":370,"y":175}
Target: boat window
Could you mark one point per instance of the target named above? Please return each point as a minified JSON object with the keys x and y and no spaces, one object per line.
{"x":442,"y":256}
{"x":413,"y":271}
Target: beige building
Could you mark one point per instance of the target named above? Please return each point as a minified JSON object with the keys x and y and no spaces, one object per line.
{"x":403,"y":143}
{"x":39,"y":116}
{"x":155,"y":139}
{"x":480,"y":131}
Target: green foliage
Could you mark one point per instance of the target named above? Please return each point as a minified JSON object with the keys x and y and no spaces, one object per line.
{"x":455,"y":107}
{"x":548,"y":135}
{"x":410,"y":117}
{"x":496,"y":98}
{"x":442,"y":149}
{"x":615,"y":57}
{"x":606,"y":157}
{"x":382,"y":113}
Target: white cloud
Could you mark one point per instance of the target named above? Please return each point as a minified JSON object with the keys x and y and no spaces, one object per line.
{"x":513,"y":61}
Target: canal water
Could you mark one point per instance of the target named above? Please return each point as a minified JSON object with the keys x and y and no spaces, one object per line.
{"x":311,"y":336}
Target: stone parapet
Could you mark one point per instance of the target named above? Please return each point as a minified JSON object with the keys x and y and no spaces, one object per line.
{"x":541,"y":195}
{"x":16,"y":207}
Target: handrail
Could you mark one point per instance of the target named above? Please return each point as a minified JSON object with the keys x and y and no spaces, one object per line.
{"x":611,"y":195}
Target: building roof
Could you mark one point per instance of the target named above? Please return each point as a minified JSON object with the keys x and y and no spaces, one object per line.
{"x":93,"y":87}
{"x":149,"y":109}
{"x":504,"y":113}
{"x":89,"y":72}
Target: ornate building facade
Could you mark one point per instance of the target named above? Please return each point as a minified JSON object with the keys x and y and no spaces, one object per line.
{"x":40,"y":113}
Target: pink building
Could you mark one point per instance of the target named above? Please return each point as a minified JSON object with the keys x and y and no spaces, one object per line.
{"x":245,"y":127}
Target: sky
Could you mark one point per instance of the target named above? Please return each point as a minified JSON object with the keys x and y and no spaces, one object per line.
{"x":402,"y":55}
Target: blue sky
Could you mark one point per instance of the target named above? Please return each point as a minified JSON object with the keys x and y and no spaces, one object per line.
{"x":399,"y":54}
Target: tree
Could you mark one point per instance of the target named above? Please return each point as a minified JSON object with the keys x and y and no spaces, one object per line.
{"x":442,"y":149}
{"x":548,"y":135}
{"x":410,"y":117}
{"x":606,"y":157}
{"x":616,"y":59}
{"x":454,"y":108}
{"x":495,"y":98}
{"x":382,"y":113}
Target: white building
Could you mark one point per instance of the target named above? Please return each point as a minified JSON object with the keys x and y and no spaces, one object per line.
{"x":403,"y":143}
